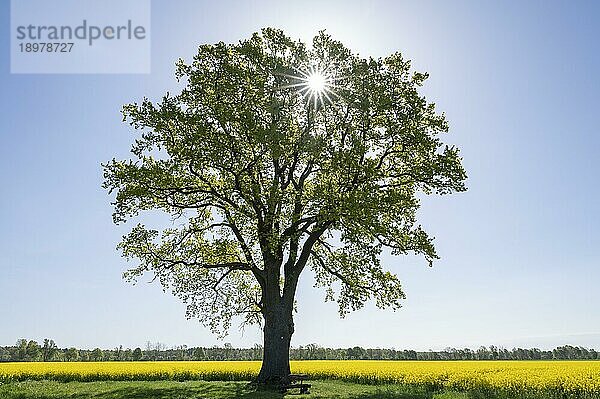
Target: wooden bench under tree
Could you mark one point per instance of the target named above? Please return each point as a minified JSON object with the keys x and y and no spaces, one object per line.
{"x":296,"y":381}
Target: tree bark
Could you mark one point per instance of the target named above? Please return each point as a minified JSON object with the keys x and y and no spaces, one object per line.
{"x":278,"y":330}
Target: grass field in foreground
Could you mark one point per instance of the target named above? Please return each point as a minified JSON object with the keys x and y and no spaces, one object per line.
{"x":203,"y":389}
{"x":552,"y":379}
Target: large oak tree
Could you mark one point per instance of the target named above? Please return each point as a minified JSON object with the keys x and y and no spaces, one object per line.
{"x":268,"y":173}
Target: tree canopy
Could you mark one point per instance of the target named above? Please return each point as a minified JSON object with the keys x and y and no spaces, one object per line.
{"x":264,"y":178}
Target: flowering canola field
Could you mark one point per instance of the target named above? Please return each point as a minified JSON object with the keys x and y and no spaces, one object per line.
{"x":576,"y":379}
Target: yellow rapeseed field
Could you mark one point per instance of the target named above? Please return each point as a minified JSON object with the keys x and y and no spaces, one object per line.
{"x":568,"y":378}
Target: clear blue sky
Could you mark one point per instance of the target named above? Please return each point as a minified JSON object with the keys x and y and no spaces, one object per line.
{"x":519,"y":84}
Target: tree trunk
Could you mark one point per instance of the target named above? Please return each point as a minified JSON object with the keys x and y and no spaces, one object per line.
{"x":278,"y":330}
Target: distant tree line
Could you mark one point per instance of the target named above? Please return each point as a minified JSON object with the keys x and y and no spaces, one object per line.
{"x":32,"y":351}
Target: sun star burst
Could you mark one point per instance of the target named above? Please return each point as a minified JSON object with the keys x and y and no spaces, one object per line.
{"x":315,"y":84}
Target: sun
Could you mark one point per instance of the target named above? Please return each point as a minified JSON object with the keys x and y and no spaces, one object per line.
{"x":315,"y":84}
